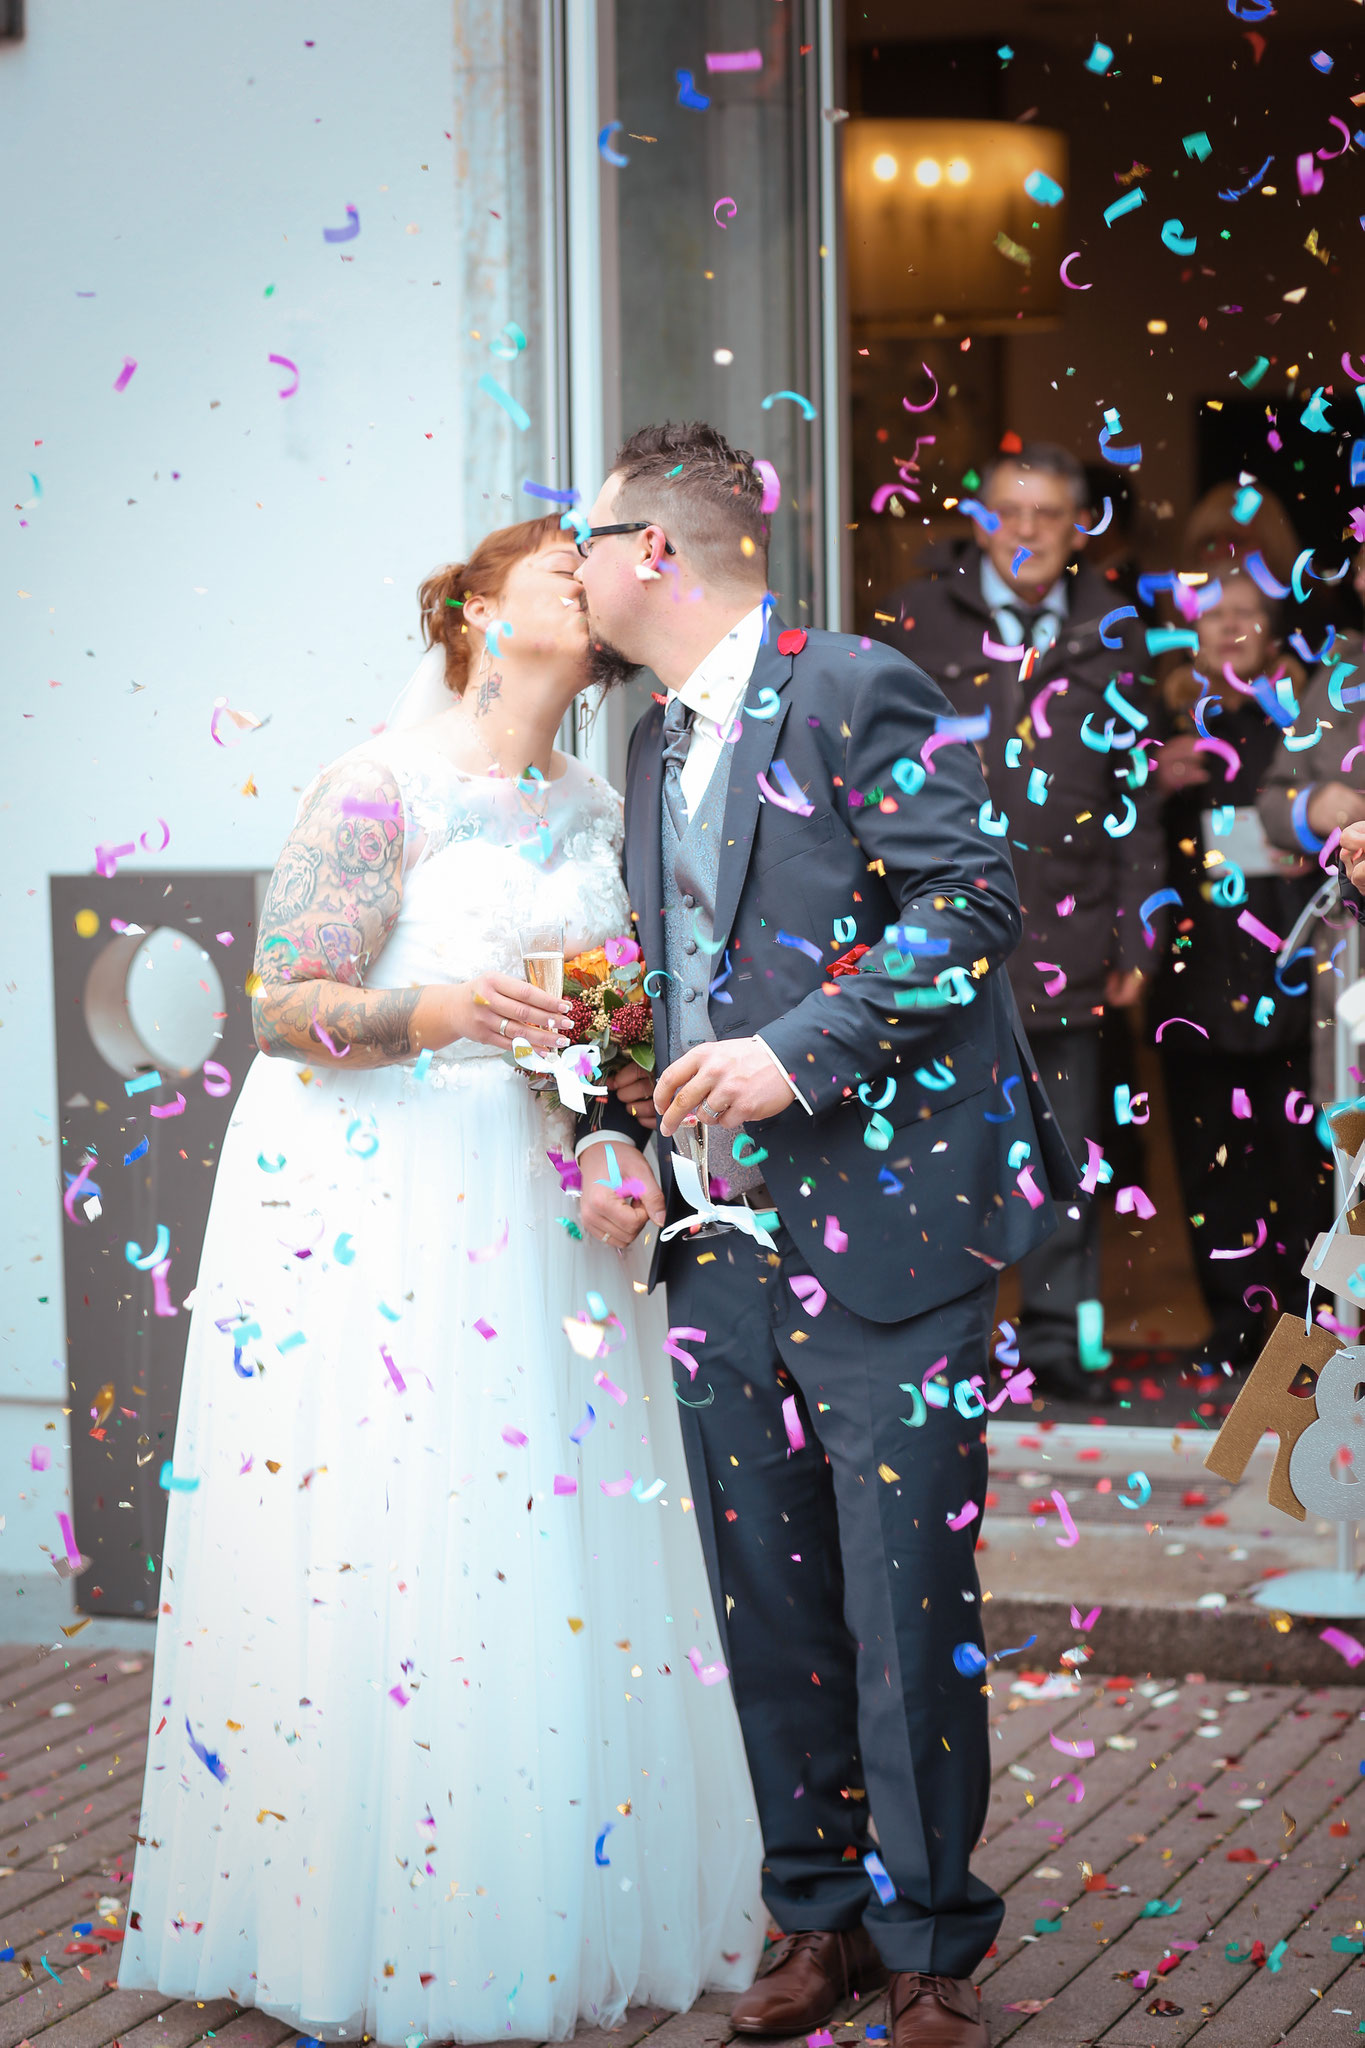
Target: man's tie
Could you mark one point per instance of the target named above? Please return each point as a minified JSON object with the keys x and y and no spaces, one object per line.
{"x":677,"y":740}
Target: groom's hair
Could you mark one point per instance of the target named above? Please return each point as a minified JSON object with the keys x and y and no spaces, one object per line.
{"x":706,"y":495}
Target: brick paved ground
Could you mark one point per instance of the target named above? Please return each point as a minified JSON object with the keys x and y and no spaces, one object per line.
{"x":1241,"y":1808}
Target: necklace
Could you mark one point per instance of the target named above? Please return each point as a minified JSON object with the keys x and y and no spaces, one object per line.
{"x":532,"y":786}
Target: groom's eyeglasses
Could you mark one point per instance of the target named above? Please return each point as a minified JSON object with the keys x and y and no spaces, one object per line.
{"x":631,"y":526}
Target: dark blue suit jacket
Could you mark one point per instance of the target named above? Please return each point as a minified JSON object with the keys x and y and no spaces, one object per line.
{"x":946,"y":1089}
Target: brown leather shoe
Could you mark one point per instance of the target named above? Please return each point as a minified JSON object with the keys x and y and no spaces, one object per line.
{"x":809,"y":1975}
{"x":935,"y":2012}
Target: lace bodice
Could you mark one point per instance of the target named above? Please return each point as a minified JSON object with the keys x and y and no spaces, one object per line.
{"x":485,"y":859}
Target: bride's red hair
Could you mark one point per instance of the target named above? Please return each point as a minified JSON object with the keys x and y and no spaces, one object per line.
{"x":442,"y":596}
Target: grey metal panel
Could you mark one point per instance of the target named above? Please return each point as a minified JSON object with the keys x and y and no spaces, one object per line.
{"x":113,"y":1334}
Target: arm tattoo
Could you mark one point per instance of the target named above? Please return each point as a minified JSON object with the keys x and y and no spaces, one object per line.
{"x":332,"y":902}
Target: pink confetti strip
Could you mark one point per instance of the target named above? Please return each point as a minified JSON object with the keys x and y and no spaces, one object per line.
{"x":809,"y":1293}
{"x":616,"y":1487}
{"x":1167,"y":1022}
{"x":1134,"y":1201}
{"x":796,"y":1436}
{"x":1245,"y":1251}
{"x":162,"y":1305}
{"x":285,"y":364}
{"x":217,"y":1079}
{"x":39,"y":1458}
{"x":968,"y":1512}
{"x":485,"y":1329}
{"x":772,"y":482}
{"x":734,"y":60}
{"x":1072,"y":1798}
{"x":1085,"y":1747}
{"x":673,"y":1349}
{"x":1057,"y":983}
{"x":564,"y":1484}
{"x":397,"y":1693}
{"x":482,"y":1253}
{"x":125,"y":375}
{"x":394,"y":1374}
{"x":709,"y":1674}
{"x":176,"y":1108}
{"x":1241,"y":1104}
{"x":1337,"y":1639}
{"x":1089,"y":1621}
{"x":1254,"y":929}
{"x":516,"y":1437}
{"x":929,"y":403}
{"x":73,"y":1555}
{"x":836,"y":1240}
{"x":1072,"y":1537}
{"x":82,"y":1180}
{"x":1028,"y":1187}
{"x":609,"y":1386}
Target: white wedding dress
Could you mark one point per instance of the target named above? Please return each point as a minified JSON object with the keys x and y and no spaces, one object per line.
{"x":431,"y":1752}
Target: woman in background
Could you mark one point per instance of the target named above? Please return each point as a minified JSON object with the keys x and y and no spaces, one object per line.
{"x":1254,"y":1177}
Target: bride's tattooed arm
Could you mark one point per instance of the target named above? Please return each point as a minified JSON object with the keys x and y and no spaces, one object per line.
{"x":332,"y":901}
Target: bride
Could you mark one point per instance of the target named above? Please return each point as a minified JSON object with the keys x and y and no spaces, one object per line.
{"x":437,"y":1747}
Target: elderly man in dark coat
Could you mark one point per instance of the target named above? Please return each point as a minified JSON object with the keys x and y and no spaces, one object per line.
{"x":1012,"y":626}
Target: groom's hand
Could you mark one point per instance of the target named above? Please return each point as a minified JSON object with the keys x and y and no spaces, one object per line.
{"x":736,"y":1079}
{"x":613,"y":1215}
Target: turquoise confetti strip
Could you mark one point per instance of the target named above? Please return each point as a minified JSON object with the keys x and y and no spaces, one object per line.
{"x":520,"y":418}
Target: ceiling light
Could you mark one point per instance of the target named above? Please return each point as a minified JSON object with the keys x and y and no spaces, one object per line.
{"x":885,"y":168}
{"x":959,"y":170}
{"x":928,"y":171}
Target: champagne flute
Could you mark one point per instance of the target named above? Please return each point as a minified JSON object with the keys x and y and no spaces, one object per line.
{"x":692,"y":1140}
{"x":542,"y":955}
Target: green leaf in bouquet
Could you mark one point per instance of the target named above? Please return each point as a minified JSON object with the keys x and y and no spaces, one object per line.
{"x":612,"y":998}
{"x":643,"y":1056}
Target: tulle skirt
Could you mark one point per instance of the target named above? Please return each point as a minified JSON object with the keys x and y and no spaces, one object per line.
{"x":431,"y":1751}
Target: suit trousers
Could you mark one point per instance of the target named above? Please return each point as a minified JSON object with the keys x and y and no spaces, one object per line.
{"x":841,"y":1591}
{"x":1058,"y":1275}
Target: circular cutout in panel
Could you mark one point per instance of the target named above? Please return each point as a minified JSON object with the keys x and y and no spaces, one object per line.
{"x":154,"y":999}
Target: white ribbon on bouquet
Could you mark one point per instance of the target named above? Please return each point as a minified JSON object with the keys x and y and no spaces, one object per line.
{"x":704,"y":1210}
{"x":566,"y":1069}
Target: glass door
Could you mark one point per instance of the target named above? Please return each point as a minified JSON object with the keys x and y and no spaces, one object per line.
{"x":715,"y":185}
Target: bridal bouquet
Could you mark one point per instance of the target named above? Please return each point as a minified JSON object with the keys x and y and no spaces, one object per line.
{"x":609,"y":1009}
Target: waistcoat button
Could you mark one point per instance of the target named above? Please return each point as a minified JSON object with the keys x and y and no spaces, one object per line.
{"x":689,"y":995}
{"x":689,"y":903}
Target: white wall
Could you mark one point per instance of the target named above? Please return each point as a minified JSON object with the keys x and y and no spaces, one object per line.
{"x":174,"y":158}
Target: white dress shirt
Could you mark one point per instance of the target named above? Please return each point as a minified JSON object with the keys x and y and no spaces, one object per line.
{"x":713,"y":694}
{"x":1005,"y":605}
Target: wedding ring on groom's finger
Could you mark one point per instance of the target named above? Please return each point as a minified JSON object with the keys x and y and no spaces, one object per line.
{"x":705,"y":1109}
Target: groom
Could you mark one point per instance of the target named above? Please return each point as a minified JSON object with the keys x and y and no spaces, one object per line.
{"x":809,"y":865}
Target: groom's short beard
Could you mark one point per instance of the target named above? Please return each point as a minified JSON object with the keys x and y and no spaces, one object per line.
{"x":608,"y":668}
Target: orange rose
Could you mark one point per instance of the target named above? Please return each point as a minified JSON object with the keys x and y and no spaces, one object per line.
{"x":587,"y":969}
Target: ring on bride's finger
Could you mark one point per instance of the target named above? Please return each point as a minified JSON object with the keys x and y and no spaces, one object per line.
{"x":502,"y":1028}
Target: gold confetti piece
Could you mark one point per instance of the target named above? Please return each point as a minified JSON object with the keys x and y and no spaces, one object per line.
{"x":707,"y":1259}
{"x":1015,"y":252}
{"x":253,"y":983}
{"x":235,"y":1726}
{"x":76,"y":1626}
{"x":575,"y":1624}
{"x":272,"y":1464}
{"x":249,"y":787}
{"x":270,"y":1812}
{"x":885,"y":1472}
{"x":104,"y":1403}
{"x":1288,"y":1822}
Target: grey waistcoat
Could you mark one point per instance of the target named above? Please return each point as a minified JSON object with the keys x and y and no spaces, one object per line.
{"x":690,"y":868}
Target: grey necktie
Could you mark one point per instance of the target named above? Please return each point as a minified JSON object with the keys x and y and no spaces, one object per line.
{"x":677,"y":740}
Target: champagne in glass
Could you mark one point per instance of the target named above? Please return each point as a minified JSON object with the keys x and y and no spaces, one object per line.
{"x":542,"y":956}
